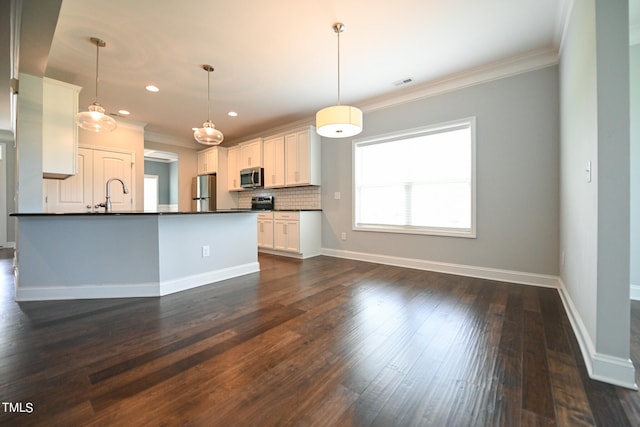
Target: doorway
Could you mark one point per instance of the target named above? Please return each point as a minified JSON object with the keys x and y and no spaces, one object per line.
{"x":151,"y":193}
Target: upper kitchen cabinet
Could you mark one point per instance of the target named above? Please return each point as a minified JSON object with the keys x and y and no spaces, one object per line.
{"x":273,"y":156}
{"x":302,"y":158}
{"x":233,"y":171}
{"x":250,"y":154}
{"x":59,"y":130}
{"x":208,"y":161}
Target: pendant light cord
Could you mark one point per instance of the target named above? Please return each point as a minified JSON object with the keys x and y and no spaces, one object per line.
{"x":208,"y":95}
{"x":338,"y":30}
{"x":97,"y":65}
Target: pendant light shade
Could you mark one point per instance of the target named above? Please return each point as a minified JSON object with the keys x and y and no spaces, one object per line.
{"x":339,"y":121}
{"x":208,"y":134}
{"x":95,"y":119}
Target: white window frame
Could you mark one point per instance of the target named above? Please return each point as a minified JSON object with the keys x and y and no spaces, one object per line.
{"x":412,"y":133}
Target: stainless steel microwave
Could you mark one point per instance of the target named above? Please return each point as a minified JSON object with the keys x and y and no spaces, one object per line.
{"x":252,"y":178}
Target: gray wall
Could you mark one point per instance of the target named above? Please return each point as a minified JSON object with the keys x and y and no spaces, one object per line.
{"x":595,"y":216}
{"x":634,"y":74}
{"x":167,"y":180}
{"x":517,"y":171}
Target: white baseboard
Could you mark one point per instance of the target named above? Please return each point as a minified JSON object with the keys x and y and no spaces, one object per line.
{"x":184,"y":283}
{"x":635,"y":292}
{"x":443,"y":267}
{"x":51,"y":293}
{"x":136,"y":290}
{"x":601,"y":367}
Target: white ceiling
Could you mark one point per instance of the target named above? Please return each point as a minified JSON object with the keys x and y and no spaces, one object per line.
{"x":276,"y":61}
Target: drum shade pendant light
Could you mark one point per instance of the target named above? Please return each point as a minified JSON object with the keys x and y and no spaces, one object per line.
{"x":339,"y":121}
{"x":208,"y":134}
{"x":95,"y":119}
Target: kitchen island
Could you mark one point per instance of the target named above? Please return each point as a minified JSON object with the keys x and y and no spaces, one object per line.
{"x":130,"y":254}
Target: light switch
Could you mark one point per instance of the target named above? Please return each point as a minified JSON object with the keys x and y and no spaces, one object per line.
{"x":336,"y":195}
{"x":588,"y":171}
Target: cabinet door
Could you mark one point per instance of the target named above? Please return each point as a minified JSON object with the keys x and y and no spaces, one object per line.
{"x":265,"y":233}
{"x":286,"y":236}
{"x":207,"y":161}
{"x":233,"y":172}
{"x":107,"y":165}
{"x":297,"y":159}
{"x":74,"y":194}
{"x":273,"y":156}
{"x":59,"y":131}
{"x":251,"y":154}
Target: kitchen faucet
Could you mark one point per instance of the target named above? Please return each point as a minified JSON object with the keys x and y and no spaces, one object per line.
{"x":107,"y":203}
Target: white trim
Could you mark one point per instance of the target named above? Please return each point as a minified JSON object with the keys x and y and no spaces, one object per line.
{"x":160,"y":138}
{"x":193,"y":281}
{"x":508,"y":67}
{"x":86,"y":292}
{"x":390,"y":138}
{"x":601,"y":367}
{"x":635,"y":292}
{"x":543,"y":280}
{"x":153,"y":289}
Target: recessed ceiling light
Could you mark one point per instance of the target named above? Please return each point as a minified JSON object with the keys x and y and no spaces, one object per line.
{"x":124,"y":112}
{"x":152,"y":88}
{"x":232,"y":114}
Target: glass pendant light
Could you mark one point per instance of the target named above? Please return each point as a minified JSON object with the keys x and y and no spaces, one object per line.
{"x":95,"y":119}
{"x":339,"y":121}
{"x":208,"y":134}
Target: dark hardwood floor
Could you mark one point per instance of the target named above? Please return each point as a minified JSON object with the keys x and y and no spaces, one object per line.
{"x":325,"y":342}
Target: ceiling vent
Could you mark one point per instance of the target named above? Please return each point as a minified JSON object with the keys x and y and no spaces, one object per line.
{"x":403,"y":82}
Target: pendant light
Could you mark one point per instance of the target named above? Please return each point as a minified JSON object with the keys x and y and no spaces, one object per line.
{"x":95,"y":119}
{"x":339,"y":121}
{"x":208,"y":134}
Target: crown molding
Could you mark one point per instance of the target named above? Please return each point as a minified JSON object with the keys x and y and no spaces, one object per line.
{"x":160,"y":138}
{"x":530,"y":61}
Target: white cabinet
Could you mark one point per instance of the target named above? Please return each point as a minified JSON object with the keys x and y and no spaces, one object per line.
{"x":291,"y":233}
{"x":286,"y":234}
{"x":273,"y":156}
{"x":265,"y":230}
{"x":59,"y":130}
{"x":208,"y":161}
{"x":250,"y":154}
{"x":233,"y":171}
{"x":302,"y":158}
{"x":81,"y":192}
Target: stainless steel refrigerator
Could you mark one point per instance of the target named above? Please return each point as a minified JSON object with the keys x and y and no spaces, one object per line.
{"x":203,"y":193}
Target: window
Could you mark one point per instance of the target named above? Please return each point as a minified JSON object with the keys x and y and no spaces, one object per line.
{"x":420,"y":181}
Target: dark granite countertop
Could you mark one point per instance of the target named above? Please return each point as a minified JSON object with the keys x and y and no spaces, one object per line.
{"x":42,"y":214}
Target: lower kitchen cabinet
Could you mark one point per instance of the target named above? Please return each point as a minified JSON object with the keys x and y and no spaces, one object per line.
{"x":265,"y":230}
{"x":293,"y":233}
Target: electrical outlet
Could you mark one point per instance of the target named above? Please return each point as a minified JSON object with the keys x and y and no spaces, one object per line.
{"x":343,"y":236}
{"x":205,"y":251}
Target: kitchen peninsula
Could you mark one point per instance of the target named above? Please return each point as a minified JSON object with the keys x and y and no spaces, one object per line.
{"x":130,"y":254}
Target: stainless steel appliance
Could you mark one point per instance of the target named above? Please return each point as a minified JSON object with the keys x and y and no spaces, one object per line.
{"x":262,"y":203}
{"x":203,"y":193}
{"x":252,"y":178}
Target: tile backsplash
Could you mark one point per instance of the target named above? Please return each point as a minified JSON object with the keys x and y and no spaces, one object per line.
{"x":285,"y":198}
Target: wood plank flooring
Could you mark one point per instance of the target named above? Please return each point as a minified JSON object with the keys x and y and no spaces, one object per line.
{"x":319,"y":342}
